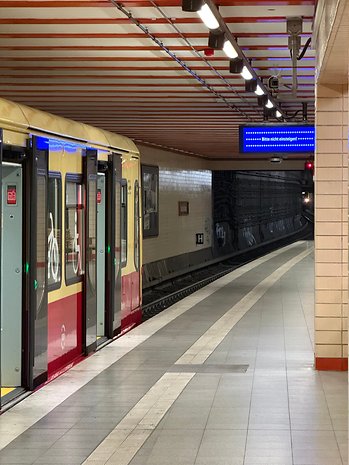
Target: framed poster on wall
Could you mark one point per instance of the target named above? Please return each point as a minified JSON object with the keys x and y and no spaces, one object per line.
{"x":150,"y":191}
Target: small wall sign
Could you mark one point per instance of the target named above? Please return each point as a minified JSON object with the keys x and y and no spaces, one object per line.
{"x":11,"y":195}
{"x":183,"y":208}
{"x":99,"y":196}
{"x":199,"y":238}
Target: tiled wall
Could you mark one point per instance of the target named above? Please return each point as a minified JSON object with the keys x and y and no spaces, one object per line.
{"x":331,"y":228}
{"x":181,"y":178}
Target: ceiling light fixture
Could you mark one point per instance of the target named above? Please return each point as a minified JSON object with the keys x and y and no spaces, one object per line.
{"x":251,"y":85}
{"x":221,"y":38}
{"x":236,"y":66}
{"x":192,"y":6}
{"x":208,"y":18}
{"x":259,"y":90}
{"x":216,"y":40}
{"x":262,"y":100}
{"x":229,"y":50}
{"x":246,"y":73}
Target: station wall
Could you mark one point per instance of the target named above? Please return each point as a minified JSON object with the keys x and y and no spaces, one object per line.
{"x":331,"y":227}
{"x":181,"y":179}
{"x":331,"y":185}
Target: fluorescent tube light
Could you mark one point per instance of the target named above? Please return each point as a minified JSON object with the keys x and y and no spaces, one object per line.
{"x":229,"y":50}
{"x":246,"y":73}
{"x":259,"y":90}
{"x":208,"y":17}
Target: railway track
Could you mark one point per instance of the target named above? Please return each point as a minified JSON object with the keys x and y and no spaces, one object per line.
{"x":161,"y":296}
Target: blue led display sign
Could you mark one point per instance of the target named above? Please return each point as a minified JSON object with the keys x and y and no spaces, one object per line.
{"x":277,"y":138}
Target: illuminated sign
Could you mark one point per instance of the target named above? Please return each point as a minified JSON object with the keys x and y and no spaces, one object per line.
{"x":11,"y":195}
{"x":277,"y":138}
{"x":99,"y":196}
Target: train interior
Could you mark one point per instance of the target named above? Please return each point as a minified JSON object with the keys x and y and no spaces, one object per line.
{"x":11,"y":271}
{"x":101,"y":247}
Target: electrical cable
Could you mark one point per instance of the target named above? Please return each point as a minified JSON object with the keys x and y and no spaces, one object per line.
{"x":305,"y":48}
{"x":197,"y":52}
{"x":158,"y":42}
{"x":292,"y":116}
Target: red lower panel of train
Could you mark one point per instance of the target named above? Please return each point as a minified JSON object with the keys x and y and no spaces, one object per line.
{"x":65,"y":324}
{"x":131,"y":314}
{"x":64,"y":332}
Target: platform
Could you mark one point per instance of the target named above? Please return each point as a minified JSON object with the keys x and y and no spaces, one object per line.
{"x":224,"y":377}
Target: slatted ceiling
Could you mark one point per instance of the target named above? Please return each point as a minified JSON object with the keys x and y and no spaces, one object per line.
{"x":86,"y":61}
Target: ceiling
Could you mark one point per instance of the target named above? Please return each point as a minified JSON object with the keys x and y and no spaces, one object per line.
{"x":333,"y":69}
{"x":87,"y":61}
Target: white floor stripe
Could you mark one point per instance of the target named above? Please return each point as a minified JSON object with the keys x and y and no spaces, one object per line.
{"x":122,"y":444}
{"x":25,"y":414}
{"x":209,"y":341}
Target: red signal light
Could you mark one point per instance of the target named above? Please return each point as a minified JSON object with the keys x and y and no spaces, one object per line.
{"x":309,"y":165}
{"x":208,"y":52}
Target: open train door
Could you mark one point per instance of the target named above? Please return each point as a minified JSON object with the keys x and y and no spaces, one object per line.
{"x":113,"y":298}
{"x":108,"y":249}
{"x":90,"y":276}
{"x":36,"y":265}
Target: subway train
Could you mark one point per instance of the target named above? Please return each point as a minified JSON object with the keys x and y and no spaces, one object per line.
{"x":70,"y":243}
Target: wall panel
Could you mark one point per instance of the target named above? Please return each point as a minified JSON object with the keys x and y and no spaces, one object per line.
{"x":181,"y":178}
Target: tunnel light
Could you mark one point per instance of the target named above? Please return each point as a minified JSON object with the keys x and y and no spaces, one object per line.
{"x":269,"y":104}
{"x":246,"y":73}
{"x":278,"y":114}
{"x":229,"y":50}
{"x":259,"y":90}
{"x":208,"y":17}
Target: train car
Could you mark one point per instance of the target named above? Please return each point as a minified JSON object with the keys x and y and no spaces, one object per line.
{"x":70,"y":243}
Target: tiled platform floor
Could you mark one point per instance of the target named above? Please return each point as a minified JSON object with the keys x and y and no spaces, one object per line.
{"x":244,"y":391}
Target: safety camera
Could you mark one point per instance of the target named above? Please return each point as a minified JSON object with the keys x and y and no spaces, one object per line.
{"x":273,"y":82}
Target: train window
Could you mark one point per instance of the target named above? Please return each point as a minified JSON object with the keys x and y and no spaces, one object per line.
{"x":136,"y":227}
{"x":123,"y":222}
{"x":54,"y":233}
{"x":74,"y":231}
{"x":150,"y":192}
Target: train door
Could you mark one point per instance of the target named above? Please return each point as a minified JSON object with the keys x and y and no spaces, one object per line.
{"x":90,"y":276}
{"x":11,"y":281}
{"x":36,"y":292}
{"x":101,"y":256}
{"x":113,"y":301}
{"x":108,"y":249}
